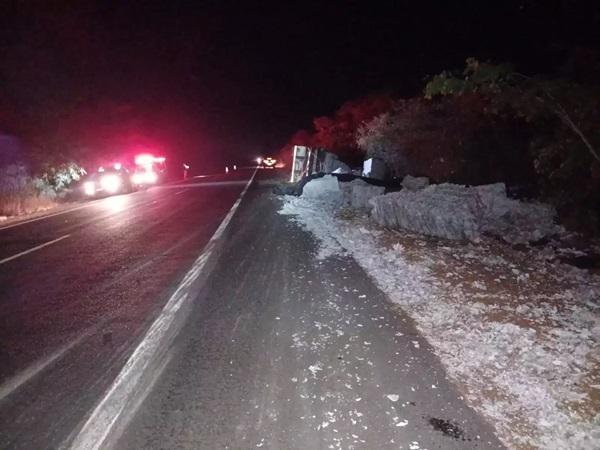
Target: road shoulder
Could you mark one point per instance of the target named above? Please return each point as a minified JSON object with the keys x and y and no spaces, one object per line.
{"x":283,"y":350}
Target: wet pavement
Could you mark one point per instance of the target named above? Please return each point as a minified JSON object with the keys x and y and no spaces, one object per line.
{"x":278,"y":349}
{"x":72,"y":312}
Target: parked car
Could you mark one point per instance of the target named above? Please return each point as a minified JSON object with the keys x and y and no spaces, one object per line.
{"x":109,"y":181}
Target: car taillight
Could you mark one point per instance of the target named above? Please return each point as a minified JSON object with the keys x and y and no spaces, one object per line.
{"x":144,"y":159}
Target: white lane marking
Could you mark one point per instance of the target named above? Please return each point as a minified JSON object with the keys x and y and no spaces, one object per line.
{"x":231,"y":212}
{"x":12,"y":384}
{"x":180,"y":192}
{"x":10,"y":258}
{"x":122,"y":392}
{"x":207,"y":184}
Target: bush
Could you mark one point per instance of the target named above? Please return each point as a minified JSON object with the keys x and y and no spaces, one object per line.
{"x":18,"y":192}
{"x":337,"y":133}
{"x":485,"y":124}
{"x":562,"y":117}
{"x":60,"y":177}
{"x":21,"y":193}
{"x":448,"y":140}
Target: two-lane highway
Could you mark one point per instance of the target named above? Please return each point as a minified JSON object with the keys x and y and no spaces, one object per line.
{"x":79,"y":288}
{"x":183,"y":317}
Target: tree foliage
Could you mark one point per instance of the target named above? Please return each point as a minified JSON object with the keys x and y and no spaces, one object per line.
{"x":476,"y":77}
{"x":562,"y":114}
{"x":447,"y":140}
{"x":337,"y":133}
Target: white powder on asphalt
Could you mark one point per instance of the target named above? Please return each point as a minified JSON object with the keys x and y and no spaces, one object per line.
{"x":536,"y":376}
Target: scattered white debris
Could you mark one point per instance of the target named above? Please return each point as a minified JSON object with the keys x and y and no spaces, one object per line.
{"x":393,"y":397}
{"x":492,"y":333}
{"x":315,"y":368}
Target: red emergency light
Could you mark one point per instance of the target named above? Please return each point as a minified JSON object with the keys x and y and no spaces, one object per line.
{"x":146,"y":159}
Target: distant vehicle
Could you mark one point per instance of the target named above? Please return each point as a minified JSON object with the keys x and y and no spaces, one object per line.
{"x":143,"y":177}
{"x":109,"y":181}
{"x":269,"y":162}
{"x":149,"y":170}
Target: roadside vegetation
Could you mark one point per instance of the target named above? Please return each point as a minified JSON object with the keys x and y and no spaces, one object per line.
{"x":486,"y":123}
{"x":495,"y":307}
{"x":23,"y":193}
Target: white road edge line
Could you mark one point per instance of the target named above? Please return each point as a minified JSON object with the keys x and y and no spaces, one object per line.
{"x":204,"y":184}
{"x":47,"y":216}
{"x":45,"y":244}
{"x":104,"y":417}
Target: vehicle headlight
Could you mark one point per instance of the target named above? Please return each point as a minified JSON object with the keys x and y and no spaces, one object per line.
{"x":89,"y":188}
{"x":152,"y":177}
{"x":110,"y":183}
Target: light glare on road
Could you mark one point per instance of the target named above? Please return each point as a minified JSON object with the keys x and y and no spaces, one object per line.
{"x":116,"y":204}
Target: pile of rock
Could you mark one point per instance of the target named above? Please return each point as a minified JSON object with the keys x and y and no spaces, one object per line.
{"x":325,"y":189}
{"x":357,"y":193}
{"x":465,"y":213}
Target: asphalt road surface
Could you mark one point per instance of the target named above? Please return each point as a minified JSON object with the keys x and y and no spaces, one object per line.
{"x":187,"y":317}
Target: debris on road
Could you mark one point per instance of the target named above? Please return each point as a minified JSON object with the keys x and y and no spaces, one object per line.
{"x":448,"y":428}
{"x":374,"y":168}
{"x":325,"y":189}
{"x":517,"y":331}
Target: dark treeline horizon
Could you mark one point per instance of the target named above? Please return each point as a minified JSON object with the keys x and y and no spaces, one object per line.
{"x":224,"y":80}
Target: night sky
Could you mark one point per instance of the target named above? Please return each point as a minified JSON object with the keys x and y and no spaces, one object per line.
{"x":224,"y":80}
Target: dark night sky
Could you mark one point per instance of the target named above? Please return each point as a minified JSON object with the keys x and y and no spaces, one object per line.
{"x":240,"y":79}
